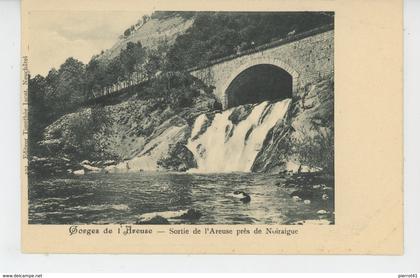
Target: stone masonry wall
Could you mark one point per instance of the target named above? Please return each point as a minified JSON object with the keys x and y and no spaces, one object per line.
{"x":306,"y":60}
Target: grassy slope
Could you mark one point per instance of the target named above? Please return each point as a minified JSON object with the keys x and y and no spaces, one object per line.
{"x":151,"y":34}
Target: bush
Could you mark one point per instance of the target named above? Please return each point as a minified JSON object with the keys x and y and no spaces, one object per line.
{"x":316,"y":150}
{"x":79,"y":135}
{"x":215,"y":35}
{"x":177,"y":89}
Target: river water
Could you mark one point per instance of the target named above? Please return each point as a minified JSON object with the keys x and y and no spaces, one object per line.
{"x":224,"y":146}
{"x":122,"y":198}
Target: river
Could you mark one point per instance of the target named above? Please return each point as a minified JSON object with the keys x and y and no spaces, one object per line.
{"x":121,"y":198}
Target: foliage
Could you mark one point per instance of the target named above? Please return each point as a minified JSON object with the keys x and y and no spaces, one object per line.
{"x":59,"y":92}
{"x":38,"y":111}
{"x":177,"y":89}
{"x":160,"y":15}
{"x":102,"y":73}
{"x":155,"y":59}
{"x":71,"y":85}
{"x":67,"y":88}
{"x":133,"y":55}
{"x":215,"y":35}
{"x":97,"y":75}
{"x":78,"y":138}
{"x":316,"y":150}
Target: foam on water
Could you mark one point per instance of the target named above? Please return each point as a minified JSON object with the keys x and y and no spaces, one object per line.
{"x":226,"y":147}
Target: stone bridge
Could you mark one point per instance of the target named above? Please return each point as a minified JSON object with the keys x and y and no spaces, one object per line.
{"x":273,"y":71}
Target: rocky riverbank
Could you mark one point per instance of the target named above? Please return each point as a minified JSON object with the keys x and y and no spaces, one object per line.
{"x":147,"y":134}
{"x":312,"y":189}
{"x":306,"y":136}
{"x":55,"y":167}
{"x":144,"y":131}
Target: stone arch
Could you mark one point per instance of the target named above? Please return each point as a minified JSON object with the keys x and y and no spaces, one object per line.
{"x":248,"y":63}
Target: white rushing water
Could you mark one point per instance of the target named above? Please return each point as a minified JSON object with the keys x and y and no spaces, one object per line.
{"x":226,"y":147}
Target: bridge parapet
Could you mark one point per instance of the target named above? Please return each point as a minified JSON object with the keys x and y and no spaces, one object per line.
{"x":273,"y":44}
{"x":305,"y":56}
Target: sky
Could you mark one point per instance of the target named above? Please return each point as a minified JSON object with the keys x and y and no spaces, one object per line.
{"x":53,"y":36}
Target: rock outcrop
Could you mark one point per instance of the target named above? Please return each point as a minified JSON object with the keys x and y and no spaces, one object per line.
{"x":135,"y":135}
{"x":304,"y":141}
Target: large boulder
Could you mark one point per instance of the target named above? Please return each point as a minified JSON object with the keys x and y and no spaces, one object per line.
{"x":156,"y":220}
{"x":304,"y":140}
{"x":179,"y":158}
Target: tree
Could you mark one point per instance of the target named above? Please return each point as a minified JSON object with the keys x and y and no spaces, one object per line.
{"x":214,"y":35}
{"x":134,"y":54}
{"x":127,"y":32}
{"x":145,"y":18}
{"x":52,"y":80}
{"x":96,"y":77}
{"x":71,"y":90}
{"x":114,"y":70}
{"x":37,"y":112}
{"x":155,"y":60}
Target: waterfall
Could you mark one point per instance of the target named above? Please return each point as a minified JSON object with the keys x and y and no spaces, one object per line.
{"x":223,"y":144}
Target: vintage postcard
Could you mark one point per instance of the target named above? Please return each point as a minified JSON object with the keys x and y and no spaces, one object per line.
{"x":247,"y":127}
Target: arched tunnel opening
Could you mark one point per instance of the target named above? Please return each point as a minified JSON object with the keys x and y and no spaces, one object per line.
{"x":259,"y":83}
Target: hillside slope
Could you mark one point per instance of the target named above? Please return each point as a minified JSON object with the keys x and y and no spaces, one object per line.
{"x":144,"y":132}
{"x":153,"y":32}
{"x":149,"y":128}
